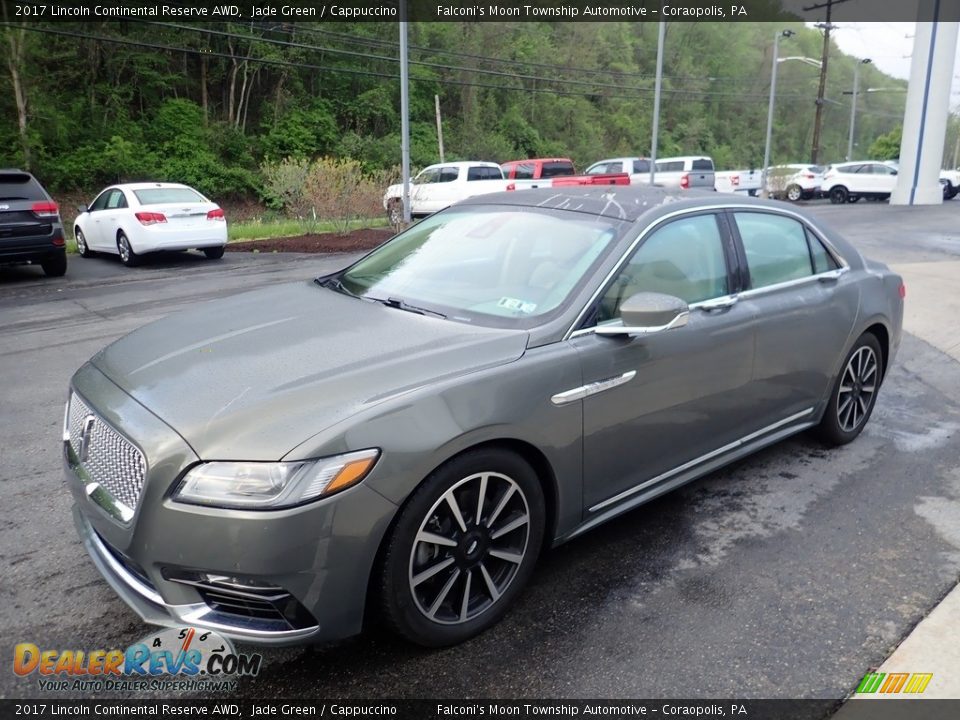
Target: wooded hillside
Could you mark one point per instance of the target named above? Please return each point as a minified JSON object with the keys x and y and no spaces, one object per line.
{"x":86,"y":104}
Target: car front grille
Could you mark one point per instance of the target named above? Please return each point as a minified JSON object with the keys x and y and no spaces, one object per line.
{"x":106,"y":457}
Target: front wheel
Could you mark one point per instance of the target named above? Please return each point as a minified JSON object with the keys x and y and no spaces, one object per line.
{"x":462,"y":548}
{"x":127,"y":256}
{"x":82,"y":246}
{"x":839,"y":195}
{"x":794,"y":193}
{"x":395,"y":212}
{"x":854,"y":393}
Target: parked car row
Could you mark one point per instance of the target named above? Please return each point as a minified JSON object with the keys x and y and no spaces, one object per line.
{"x":126,"y":220}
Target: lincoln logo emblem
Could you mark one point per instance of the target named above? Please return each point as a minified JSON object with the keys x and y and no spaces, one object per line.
{"x":85,"y":434}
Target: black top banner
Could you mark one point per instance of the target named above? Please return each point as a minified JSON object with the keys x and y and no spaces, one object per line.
{"x":16,"y":11}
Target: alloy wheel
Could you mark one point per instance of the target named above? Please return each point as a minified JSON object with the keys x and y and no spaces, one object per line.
{"x":858,"y":387}
{"x":124,"y":246}
{"x":469,"y":548}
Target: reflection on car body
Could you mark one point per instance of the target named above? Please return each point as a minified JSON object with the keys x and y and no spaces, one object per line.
{"x":497,"y":379}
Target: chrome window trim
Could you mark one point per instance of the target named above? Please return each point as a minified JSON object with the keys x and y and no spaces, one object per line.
{"x":840,"y":260}
{"x":702,"y":459}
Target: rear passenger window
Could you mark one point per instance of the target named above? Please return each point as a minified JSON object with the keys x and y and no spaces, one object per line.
{"x":557,"y":169}
{"x":776,"y":248}
{"x":703,"y":164}
{"x":641,"y":166}
{"x":822,"y":260}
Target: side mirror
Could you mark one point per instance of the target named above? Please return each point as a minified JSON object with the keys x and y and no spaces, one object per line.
{"x":647,"y":313}
{"x":81,"y":208}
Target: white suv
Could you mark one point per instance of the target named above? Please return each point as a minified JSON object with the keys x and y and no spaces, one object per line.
{"x":794,"y":182}
{"x":848,"y":182}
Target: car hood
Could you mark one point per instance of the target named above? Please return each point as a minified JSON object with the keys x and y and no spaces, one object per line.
{"x":252,"y":376}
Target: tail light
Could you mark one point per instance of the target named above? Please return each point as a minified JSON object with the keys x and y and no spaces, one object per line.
{"x":511,"y":187}
{"x":808,"y":176}
{"x":685,"y":182}
{"x":45,"y":209}
{"x":151,"y":218}
{"x":216,"y":215}
{"x":903,"y":291}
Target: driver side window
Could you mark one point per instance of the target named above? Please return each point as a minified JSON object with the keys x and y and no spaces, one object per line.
{"x":684,"y":259}
{"x":101,"y":202}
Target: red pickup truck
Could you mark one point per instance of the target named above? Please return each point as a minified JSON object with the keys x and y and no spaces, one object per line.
{"x":553,"y":172}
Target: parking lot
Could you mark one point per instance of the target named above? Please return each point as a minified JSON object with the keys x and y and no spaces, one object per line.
{"x":789,"y":574}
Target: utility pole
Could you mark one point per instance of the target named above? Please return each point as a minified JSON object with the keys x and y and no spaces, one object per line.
{"x":404,"y":114}
{"x":853,"y":104}
{"x":655,"y":130}
{"x":436,"y":100}
{"x":824,"y":59}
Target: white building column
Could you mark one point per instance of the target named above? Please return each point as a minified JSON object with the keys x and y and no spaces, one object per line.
{"x":928,"y":105}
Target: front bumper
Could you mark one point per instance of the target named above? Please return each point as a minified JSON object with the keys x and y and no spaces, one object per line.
{"x":309,"y":566}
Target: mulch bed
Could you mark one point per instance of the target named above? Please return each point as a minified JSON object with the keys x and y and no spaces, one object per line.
{"x":353,"y":241}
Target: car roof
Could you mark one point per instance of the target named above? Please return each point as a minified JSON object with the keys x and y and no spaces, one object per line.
{"x":152,"y":186}
{"x":539,"y":160}
{"x":620,"y":159}
{"x":685,"y":158}
{"x":463,"y":164}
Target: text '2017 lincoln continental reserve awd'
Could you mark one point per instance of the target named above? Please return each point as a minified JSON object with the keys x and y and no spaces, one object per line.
{"x":404,"y":437}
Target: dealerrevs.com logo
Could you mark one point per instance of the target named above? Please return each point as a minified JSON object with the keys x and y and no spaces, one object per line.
{"x":175,"y":659}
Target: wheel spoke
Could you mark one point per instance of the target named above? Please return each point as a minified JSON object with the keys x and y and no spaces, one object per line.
{"x":481,"y":495}
{"x":455,"y":509}
{"x":863,"y":405}
{"x":500,"y":505}
{"x":491,"y":588}
{"x":434,"y":539}
{"x":869,"y":373}
{"x":868,"y":388}
{"x":464,"y":606}
{"x":843,"y":407}
{"x":430,"y":572}
{"x":845,"y":418}
{"x":443,"y":593}
{"x":853,"y":413}
{"x":515,"y":558}
{"x":510,"y":527}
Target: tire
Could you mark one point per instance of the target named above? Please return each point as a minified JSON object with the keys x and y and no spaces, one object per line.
{"x":395,"y":211}
{"x":851,"y":403}
{"x":55,"y":265}
{"x":213,"y":253}
{"x":82,"y":248}
{"x":794,"y":193}
{"x":839,"y":195}
{"x":127,"y":256}
{"x":442,"y":593}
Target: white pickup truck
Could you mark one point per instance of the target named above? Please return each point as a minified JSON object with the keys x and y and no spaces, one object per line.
{"x":439,"y":186}
{"x":740,"y":182}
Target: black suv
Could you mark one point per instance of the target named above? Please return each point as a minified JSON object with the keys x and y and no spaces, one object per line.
{"x":30,"y":227}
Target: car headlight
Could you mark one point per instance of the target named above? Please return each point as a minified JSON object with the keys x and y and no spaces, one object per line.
{"x":272,"y":485}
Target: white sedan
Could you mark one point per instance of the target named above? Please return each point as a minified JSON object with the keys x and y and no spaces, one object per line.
{"x":138,"y":218}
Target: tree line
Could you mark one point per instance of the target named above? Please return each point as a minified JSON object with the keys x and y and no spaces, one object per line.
{"x":212,"y":104}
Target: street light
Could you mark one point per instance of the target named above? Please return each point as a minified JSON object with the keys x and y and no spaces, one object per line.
{"x":853,"y":105}
{"x":773,"y":93}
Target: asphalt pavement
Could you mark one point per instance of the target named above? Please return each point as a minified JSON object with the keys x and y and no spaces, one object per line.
{"x":787,"y":575}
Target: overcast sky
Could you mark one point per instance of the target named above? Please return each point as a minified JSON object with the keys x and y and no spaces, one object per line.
{"x":889,"y":45}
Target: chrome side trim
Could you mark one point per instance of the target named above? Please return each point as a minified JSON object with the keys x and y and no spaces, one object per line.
{"x":579,"y":393}
{"x":718,"y":207}
{"x":703,"y":458}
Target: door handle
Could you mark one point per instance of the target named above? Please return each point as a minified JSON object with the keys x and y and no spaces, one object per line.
{"x":720,"y":303}
{"x":831,"y":275}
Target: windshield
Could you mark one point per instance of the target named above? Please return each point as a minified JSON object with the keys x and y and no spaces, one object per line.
{"x":494,"y":266}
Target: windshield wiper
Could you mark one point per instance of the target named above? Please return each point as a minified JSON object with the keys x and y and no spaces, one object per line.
{"x":400,"y":304}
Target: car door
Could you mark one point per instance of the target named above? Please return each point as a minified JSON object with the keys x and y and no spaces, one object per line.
{"x":420,"y":191}
{"x":805,"y":308}
{"x":92,"y":227}
{"x":657,"y":402}
{"x":885,"y":178}
{"x":111,"y":217}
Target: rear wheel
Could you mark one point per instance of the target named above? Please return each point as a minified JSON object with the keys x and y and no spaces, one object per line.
{"x":213,"y":253}
{"x":462,"y":548}
{"x":838,"y":195}
{"x":854,"y":393}
{"x":127,"y":256}
{"x":794,"y":193}
{"x":55,"y":265}
{"x":82,"y":246}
